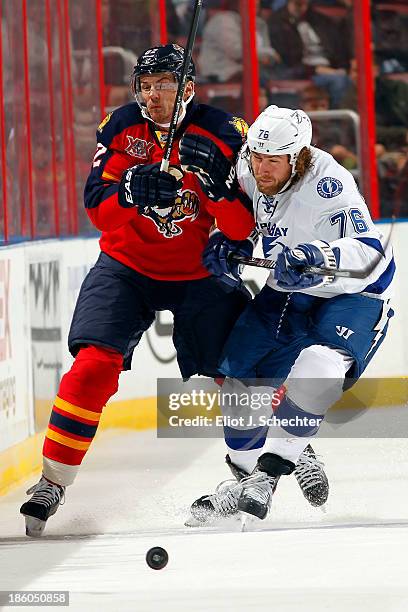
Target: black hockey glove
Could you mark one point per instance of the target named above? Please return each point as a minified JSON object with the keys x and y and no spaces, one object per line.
{"x":215,"y":172}
{"x":145,"y":185}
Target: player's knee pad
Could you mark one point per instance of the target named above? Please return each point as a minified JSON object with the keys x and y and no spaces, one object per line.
{"x":94,"y":375}
{"x":316,"y":379}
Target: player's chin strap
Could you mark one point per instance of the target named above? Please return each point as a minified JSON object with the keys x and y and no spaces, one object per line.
{"x":184,"y":105}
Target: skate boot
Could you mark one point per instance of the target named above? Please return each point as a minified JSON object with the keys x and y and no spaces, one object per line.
{"x":259,"y":487}
{"x":46,"y":498}
{"x":311,"y":477}
{"x":221,"y":504}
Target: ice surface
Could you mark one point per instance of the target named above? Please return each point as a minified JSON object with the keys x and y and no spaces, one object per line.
{"x":133,"y":493}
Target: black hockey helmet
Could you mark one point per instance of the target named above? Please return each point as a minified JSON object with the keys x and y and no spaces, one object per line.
{"x":163,"y":58}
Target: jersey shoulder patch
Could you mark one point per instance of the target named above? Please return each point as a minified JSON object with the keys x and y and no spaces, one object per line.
{"x":104,"y":122}
{"x":329,"y":187}
{"x":240,"y":125}
{"x":225,"y":126}
{"x":117,"y":121}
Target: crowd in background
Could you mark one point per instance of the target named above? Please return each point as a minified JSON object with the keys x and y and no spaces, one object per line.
{"x":306,"y":60}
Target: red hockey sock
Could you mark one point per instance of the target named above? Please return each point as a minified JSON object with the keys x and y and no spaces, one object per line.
{"x":83,"y":392}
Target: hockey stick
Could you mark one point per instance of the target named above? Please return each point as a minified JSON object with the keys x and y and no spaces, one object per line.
{"x":258,"y":262}
{"x":181,"y":86}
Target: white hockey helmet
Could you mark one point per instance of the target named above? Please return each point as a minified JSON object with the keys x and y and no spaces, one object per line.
{"x":280,"y":131}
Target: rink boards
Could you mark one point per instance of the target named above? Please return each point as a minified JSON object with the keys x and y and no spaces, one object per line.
{"x":39,"y":284}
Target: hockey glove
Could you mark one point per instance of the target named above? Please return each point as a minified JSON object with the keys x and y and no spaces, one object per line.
{"x":145,"y":186}
{"x":217,"y":257}
{"x":215,"y":172}
{"x":290,"y":264}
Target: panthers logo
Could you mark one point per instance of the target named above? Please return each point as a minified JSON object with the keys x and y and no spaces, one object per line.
{"x":240,"y":125}
{"x":186,"y":206}
{"x":104,"y":122}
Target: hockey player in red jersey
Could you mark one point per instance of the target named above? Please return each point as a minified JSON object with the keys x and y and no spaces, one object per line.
{"x":154,"y":227}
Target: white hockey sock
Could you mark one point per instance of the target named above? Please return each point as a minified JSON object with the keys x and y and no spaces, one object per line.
{"x":287,"y":448}
{"x":245,"y":459}
{"x":59,"y":473}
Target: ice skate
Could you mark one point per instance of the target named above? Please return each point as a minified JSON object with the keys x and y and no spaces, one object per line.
{"x":259,"y":487}
{"x":310,"y":474}
{"x":256,"y":494}
{"x":46,"y":498}
{"x":223,"y":503}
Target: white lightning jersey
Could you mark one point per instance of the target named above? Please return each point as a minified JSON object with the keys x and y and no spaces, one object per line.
{"x":324,"y":205}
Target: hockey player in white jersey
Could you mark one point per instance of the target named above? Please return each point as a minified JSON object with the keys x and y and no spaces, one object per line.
{"x":314,"y":333}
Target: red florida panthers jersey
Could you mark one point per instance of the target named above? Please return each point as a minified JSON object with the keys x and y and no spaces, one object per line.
{"x":165,"y":244}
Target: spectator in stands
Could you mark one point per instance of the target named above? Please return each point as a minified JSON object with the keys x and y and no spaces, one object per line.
{"x":391,"y":104}
{"x":220,"y":58}
{"x":314,"y":98}
{"x":118,"y":65}
{"x":333,"y":135}
{"x":336,"y":3}
{"x":118,"y":61}
{"x":124,"y":30}
{"x":131,"y":23}
{"x":393,"y":180}
{"x":312,"y":45}
{"x":401,"y":190}
{"x":390,"y":37}
{"x":179,"y":17}
{"x":263,"y":99}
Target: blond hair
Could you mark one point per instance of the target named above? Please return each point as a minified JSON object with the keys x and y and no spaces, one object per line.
{"x":303,"y":163}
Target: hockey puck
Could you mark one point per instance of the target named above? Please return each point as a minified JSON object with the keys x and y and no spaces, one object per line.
{"x":157,"y":558}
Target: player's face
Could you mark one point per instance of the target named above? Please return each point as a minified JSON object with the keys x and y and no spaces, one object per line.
{"x":271,"y":172}
{"x":159,"y":94}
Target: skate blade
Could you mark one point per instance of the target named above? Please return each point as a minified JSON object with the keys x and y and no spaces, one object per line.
{"x":212,"y":521}
{"x":249,"y":522}
{"x":34,"y":526}
{"x":193,"y":522}
{"x":249,"y":509}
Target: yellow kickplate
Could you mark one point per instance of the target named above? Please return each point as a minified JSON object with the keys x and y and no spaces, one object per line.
{"x":25,"y":458}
